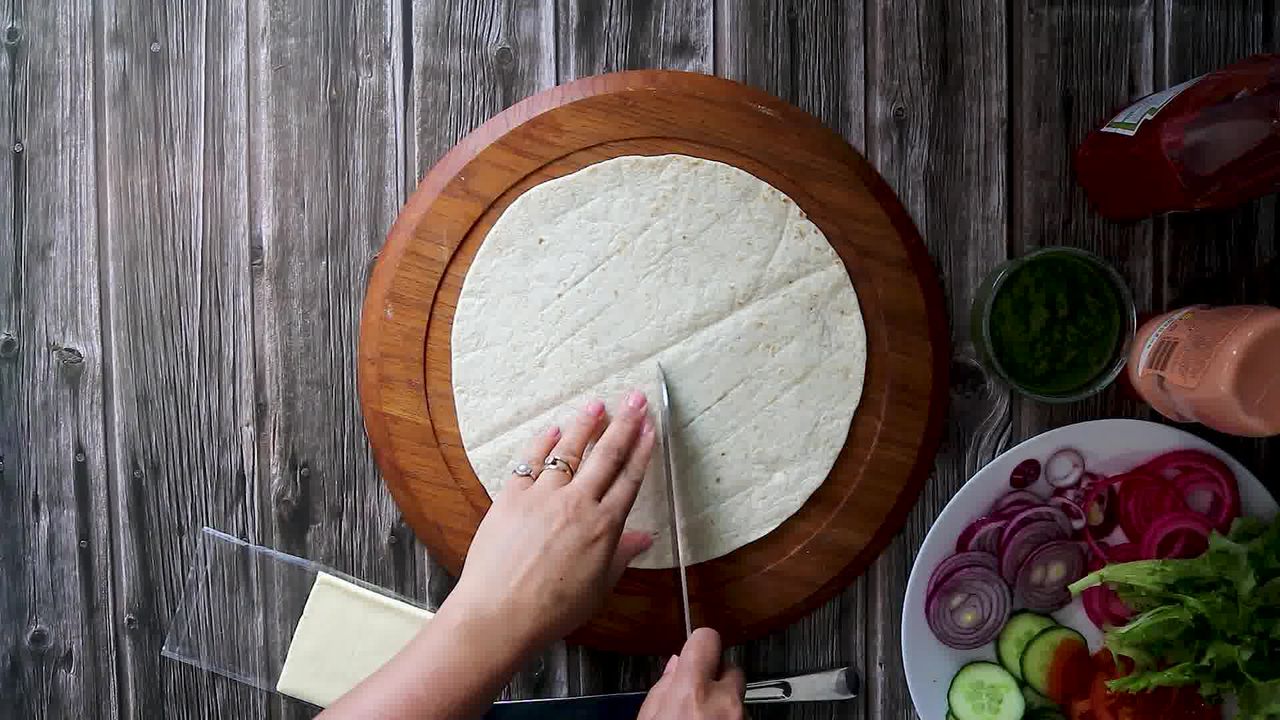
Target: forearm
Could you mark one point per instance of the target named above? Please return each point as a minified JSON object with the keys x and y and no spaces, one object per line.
{"x":452,"y":670}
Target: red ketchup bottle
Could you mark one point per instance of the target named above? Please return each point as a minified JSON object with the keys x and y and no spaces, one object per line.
{"x":1210,"y":142}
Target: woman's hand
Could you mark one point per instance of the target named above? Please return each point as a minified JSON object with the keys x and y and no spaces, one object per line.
{"x":696,"y":685}
{"x":543,"y":559}
{"x":550,"y":549}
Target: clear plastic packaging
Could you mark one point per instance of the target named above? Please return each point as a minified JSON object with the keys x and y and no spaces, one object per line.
{"x":240,"y":607}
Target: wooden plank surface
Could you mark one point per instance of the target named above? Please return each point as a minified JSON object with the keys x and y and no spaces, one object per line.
{"x":812,"y":55}
{"x":937,"y":124}
{"x":326,"y":184}
{"x":178,"y":330}
{"x":599,"y":37}
{"x":57,"y":650}
{"x":185,"y":232}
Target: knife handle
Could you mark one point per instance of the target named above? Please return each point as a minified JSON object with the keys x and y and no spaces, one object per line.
{"x":837,"y":684}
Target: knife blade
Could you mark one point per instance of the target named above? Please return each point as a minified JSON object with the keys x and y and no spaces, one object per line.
{"x":673,"y":497}
{"x":839,"y":684}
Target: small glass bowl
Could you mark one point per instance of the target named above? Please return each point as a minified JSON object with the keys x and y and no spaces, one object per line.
{"x":981,"y":323}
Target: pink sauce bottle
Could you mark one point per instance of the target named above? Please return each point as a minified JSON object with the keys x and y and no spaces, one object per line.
{"x":1216,"y":366}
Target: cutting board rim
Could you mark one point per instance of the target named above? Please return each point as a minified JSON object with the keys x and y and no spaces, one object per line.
{"x":418,"y":274}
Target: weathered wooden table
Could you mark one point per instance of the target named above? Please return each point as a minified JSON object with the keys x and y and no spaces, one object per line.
{"x":193,"y":193}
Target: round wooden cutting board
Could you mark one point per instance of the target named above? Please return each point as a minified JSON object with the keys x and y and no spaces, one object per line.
{"x":405,"y":364}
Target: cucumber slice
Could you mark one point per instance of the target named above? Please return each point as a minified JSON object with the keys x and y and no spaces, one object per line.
{"x":1036,"y":701}
{"x":1056,"y":664}
{"x":1014,"y":638}
{"x":950,"y":716}
{"x":985,"y":691}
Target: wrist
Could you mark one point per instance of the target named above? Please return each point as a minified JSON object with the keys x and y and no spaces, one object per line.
{"x":488,"y":629}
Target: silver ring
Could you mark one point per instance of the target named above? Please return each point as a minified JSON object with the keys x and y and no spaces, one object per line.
{"x":556,"y":462}
{"x":523,"y":470}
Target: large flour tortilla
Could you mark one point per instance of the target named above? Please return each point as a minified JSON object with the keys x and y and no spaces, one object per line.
{"x":587,"y":281}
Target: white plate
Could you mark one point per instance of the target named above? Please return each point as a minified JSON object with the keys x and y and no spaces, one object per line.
{"x":1108,"y":446}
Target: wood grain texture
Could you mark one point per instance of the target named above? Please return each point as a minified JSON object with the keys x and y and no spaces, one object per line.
{"x":1072,"y":65}
{"x":1230,"y":256}
{"x":937,"y":124}
{"x":812,"y":55}
{"x":812,"y":555}
{"x":57,"y":650}
{"x":472,"y":60}
{"x":467,"y":61}
{"x":325,"y":186}
{"x":808,"y":52}
{"x":175,"y":243}
{"x":596,"y":37}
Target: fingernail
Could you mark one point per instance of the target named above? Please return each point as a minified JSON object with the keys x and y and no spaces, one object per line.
{"x":647,"y":427}
{"x":595,"y":407}
{"x":636,"y":399}
{"x":671,"y":665}
{"x":553,"y":432}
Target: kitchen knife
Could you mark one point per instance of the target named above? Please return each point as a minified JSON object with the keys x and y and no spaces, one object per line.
{"x":839,"y":684}
{"x":673,"y":497}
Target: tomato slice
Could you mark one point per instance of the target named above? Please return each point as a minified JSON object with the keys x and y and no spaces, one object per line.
{"x":1100,"y":698}
{"x":1081,"y":709}
{"x":1166,"y":703}
{"x":1069,"y":672}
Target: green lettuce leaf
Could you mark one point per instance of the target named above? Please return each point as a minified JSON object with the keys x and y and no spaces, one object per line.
{"x":1260,"y":700}
{"x":1211,"y":621}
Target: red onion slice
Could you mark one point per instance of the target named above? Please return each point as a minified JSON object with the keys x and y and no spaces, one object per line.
{"x":1175,"y":462}
{"x":1064,"y":468}
{"x":1032,"y":514}
{"x":1145,"y":498}
{"x":1124,"y":552}
{"x":1116,"y":610}
{"x":982,"y":534}
{"x":1201,"y":492}
{"x":1100,"y":510}
{"x":1073,"y":511}
{"x":1205,"y":494}
{"x":960,"y":561}
{"x":1101,"y":603}
{"x":1179,"y":464}
{"x":968,"y":608}
{"x":1013,"y":501}
{"x":987,"y":539}
{"x":1017,"y":545}
{"x":1044,"y":576}
{"x":1094,"y":600}
{"x":1025,"y":474}
{"x":1074,"y":493}
{"x":1101,"y":498}
{"x":1177,"y":535}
